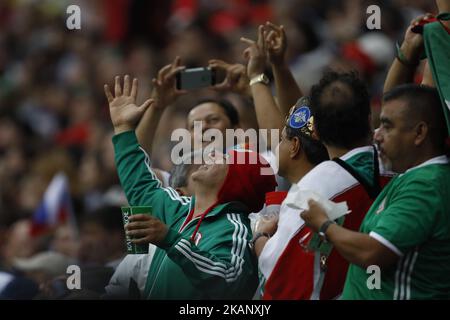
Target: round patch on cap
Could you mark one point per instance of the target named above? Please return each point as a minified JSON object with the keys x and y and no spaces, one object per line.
{"x":300,"y":117}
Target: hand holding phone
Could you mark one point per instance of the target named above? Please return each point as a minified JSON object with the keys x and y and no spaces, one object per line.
{"x":195,"y":78}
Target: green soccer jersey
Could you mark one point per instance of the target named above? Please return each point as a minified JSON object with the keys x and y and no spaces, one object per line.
{"x":411,"y":216}
{"x":217,"y":264}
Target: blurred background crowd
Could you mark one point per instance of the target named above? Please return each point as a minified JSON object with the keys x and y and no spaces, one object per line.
{"x":54,"y":116}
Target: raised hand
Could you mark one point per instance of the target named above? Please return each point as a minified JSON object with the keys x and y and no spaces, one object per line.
{"x":412,"y":46}
{"x":236,"y":79}
{"x":275,"y":42}
{"x":146,"y":229}
{"x":255,"y":54}
{"x":164,"y":90}
{"x":124,"y":112}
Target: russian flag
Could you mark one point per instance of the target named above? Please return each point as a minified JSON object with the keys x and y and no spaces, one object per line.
{"x":55,"y":208}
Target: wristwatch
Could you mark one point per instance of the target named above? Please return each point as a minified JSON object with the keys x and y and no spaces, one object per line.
{"x":260,"y":78}
{"x":323,"y":229}
{"x":256,"y":237}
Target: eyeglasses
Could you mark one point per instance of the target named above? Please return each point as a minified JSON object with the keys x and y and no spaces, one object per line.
{"x":300,"y":117}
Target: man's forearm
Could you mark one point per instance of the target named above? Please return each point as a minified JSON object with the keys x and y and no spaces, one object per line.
{"x":147,"y":127}
{"x":400,"y":73}
{"x":443,"y":5}
{"x":287,"y":89}
{"x":358,"y":248}
{"x":267,"y":113}
{"x":355,"y":247}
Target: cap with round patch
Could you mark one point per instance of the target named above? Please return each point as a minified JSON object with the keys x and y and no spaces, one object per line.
{"x":300,"y":117}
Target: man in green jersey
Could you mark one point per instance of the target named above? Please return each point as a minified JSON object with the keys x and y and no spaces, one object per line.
{"x":405,"y":236}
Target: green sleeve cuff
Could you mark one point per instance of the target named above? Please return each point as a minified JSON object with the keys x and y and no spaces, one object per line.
{"x":124,"y":140}
{"x":172,"y":237}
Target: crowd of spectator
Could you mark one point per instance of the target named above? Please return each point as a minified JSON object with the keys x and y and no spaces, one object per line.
{"x":54,"y":116}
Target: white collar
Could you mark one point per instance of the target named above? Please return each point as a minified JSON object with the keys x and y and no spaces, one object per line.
{"x":436,"y":160}
{"x":355,"y":151}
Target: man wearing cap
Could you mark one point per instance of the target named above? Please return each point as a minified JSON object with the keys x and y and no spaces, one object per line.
{"x":293,"y":266}
{"x":340,"y":116}
{"x":202,"y":241}
{"x":297,"y":153}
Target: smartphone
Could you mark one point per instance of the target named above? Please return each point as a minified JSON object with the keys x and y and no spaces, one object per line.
{"x":195,"y":78}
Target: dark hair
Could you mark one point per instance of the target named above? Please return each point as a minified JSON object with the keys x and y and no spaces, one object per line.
{"x":423,"y":104}
{"x":341,"y":107}
{"x":109,"y":217}
{"x":314,"y":150}
{"x":227,"y":106}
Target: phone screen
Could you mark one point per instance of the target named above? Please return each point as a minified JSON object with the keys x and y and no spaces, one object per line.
{"x":195,"y":78}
